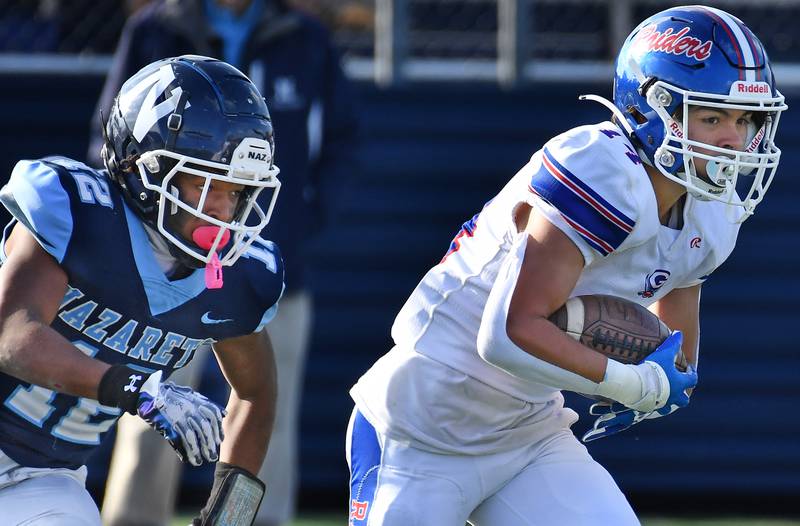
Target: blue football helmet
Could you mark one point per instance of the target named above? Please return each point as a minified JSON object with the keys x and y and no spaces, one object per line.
{"x":199,"y":116}
{"x":695,"y":56}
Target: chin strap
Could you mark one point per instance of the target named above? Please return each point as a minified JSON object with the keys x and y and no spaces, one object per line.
{"x":622,"y":121}
{"x":616,"y":111}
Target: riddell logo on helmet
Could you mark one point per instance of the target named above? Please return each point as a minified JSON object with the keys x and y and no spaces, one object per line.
{"x":675,"y":128}
{"x":673,"y":43}
{"x":750,"y":88}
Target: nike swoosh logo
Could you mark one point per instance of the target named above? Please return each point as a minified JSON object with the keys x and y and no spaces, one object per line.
{"x":208,"y":320}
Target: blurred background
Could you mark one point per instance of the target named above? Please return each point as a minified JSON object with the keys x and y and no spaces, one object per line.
{"x":454,"y":96}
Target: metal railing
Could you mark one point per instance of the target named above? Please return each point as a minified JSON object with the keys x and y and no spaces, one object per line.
{"x":528,"y":40}
{"x":511,"y":42}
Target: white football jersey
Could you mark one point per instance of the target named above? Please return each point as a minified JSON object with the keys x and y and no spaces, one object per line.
{"x":590,"y":183}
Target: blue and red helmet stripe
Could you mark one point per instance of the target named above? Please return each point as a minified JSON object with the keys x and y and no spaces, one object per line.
{"x":749,"y":56}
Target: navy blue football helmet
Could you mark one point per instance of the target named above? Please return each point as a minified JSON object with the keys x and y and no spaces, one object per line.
{"x":199,"y":116}
{"x":696,"y":56}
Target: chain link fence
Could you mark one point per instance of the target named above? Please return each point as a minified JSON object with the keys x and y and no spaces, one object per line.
{"x":68,"y":27}
{"x":445,"y":30}
{"x":557,"y":29}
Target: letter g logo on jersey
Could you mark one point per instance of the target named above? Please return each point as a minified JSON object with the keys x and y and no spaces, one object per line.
{"x":654,"y":281}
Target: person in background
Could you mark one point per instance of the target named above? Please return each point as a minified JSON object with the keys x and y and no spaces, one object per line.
{"x":291,"y":59}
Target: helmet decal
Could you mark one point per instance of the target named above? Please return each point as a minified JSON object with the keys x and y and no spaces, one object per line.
{"x":747,"y":53}
{"x":677,"y":43}
{"x":150,"y":112}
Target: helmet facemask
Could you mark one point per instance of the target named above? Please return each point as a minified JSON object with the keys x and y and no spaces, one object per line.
{"x":250,"y":167}
{"x":201,"y":117}
{"x":750,"y":170}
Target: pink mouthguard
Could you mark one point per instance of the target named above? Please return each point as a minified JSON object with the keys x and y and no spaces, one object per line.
{"x":203,"y":237}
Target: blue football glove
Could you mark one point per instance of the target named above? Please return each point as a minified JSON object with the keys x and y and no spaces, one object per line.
{"x":191,"y":423}
{"x":613,"y":418}
{"x":663,"y":384}
{"x":668,"y":393}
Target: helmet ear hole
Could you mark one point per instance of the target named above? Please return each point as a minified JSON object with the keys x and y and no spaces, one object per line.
{"x":637,"y":115}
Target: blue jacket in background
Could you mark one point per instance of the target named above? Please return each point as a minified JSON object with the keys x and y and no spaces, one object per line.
{"x":291,"y":59}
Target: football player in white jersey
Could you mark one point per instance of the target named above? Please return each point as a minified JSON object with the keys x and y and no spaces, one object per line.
{"x":463,"y":420}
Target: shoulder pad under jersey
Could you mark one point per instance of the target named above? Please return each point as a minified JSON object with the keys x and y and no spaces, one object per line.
{"x":264,"y":267}
{"x":40,"y":195}
{"x":586,"y":181}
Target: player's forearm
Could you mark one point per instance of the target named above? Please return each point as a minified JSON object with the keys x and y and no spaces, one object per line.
{"x":495,"y":346}
{"x":505,"y":337}
{"x":32,"y":351}
{"x":248,"y":427}
{"x":532,"y":348}
{"x":545,"y":341}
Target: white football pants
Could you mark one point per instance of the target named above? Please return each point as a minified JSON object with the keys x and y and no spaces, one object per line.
{"x":44,"y":497}
{"x":554,"y":482}
{"x":141,"y":456}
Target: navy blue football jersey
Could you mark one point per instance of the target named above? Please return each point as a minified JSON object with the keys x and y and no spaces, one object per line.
{"x":118,"y":308}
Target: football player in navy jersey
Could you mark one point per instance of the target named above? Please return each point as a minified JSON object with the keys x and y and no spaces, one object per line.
{"x":464,"y":419}
{"x":111,"y":280}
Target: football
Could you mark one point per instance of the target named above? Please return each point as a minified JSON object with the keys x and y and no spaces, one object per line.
{"x":618,"y":328}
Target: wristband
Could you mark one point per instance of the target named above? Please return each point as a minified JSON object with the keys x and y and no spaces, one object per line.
{"x":622,"y":383}
{"x":235,"y":497}
{"x":120,"y":386}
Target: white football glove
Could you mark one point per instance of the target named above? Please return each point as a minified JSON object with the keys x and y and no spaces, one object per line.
{"x":190,"y":422}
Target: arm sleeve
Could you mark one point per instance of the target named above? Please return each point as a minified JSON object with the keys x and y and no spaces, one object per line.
{"x":35,"y":196}
{"x":496,"y":347}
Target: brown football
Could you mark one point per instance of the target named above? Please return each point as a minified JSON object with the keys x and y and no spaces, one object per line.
{"x":618,"y":328}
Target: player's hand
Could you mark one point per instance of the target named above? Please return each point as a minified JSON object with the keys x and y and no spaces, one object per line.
{"x":615,"y":417}
{"x":190,"y":422}
{"x":663,"y":384}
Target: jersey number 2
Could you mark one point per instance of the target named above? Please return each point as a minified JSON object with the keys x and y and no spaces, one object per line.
{"x":91,"y":189}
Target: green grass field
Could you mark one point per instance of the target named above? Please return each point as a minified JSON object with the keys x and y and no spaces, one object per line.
{"x":338,"y":520}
